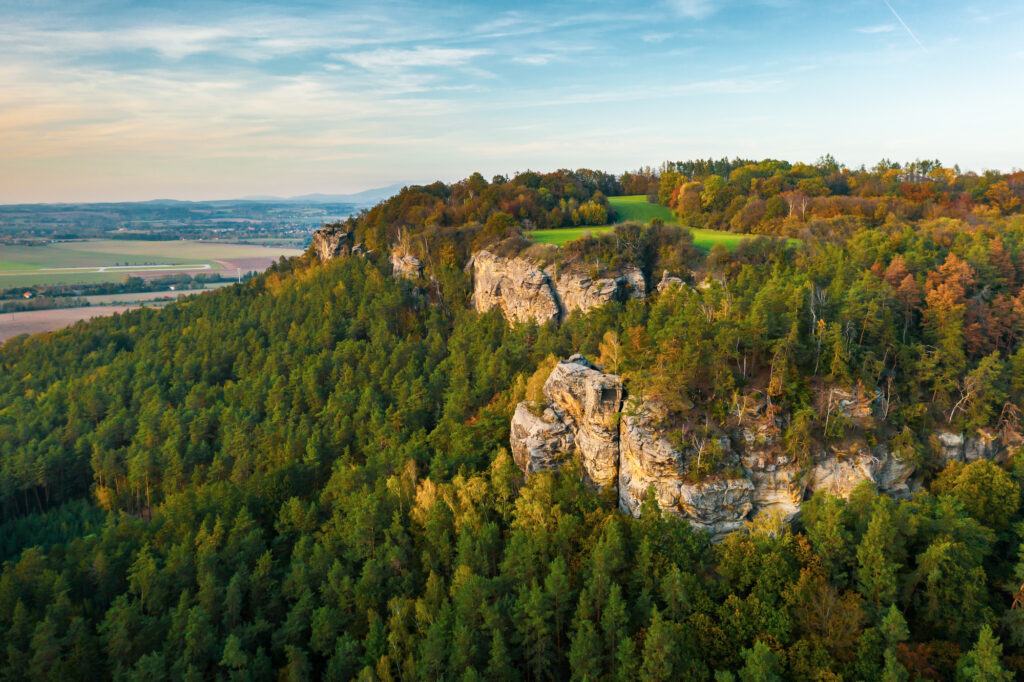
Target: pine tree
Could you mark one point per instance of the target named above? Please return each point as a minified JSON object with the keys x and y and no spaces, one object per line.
{"x":876,"y":572}
{"x":660,"y":651}
{"x":893,"y":670}
{"x":760,"y":664}
{"x":982,"y":662}
{"x":585,"y":652}
{"x":499,"y":664}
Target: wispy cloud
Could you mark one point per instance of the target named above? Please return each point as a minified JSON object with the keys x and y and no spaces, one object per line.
{"x":879,"y":28}
{"x":696,"y":9}
{"x":655,"y":37}
{"x":417,"y":57}
{"x":534,"y":59}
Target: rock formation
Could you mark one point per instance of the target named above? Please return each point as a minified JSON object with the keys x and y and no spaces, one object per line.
{"x":668,"y":281}
{"x":590,"y":401}
{"x":523,"y":290}
{"x":624,"y":445}
{"x":515,"y":285}
{"x":576,"y":290}
{"x":331,"y":241}
{"x":406,"y":265}
{"x":539,"y":442}
{"x":718,"y":504}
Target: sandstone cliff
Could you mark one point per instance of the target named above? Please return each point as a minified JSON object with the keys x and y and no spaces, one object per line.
{"x":405,"y":264}
{"x":515,"y":285}
{"x":524,"y":290}
{"x":625,"y":445}
{"x":331,"y":241}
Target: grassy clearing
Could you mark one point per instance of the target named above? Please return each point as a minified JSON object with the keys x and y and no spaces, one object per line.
{"x":562,"y":235}
{"x":636,"y":208}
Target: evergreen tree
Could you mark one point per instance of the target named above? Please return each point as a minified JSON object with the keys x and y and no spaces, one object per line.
{"x":982,"y":662}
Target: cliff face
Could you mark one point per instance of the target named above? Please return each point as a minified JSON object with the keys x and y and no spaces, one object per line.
{"x":524,"y":291}
{"x":589,"y":401}
{"x":331,"y":241}
{"x":519,"y":288}
{"x":624,"y":446}
{"x":718,"y":504}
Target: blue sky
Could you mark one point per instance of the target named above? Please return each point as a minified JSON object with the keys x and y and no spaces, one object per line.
{"x":200,"y":100}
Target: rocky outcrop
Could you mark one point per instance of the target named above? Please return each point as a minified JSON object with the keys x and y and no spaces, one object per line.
{"x":779,"y":483}
{"x":406,"y":265}
{"x":669,"y":282}
{"x":948,"y":446}
{"x":539,"y":442}
{"x":718,"y":504}
{"x":331,"y":241}
{"x":627,"y":452}
{"x":519,"y":288}
{"x":839,"y":471}
{"x":624,"y":445}
{"x":590,"y":401}
{"x":578,"y":291}
{"x":524,"y":291}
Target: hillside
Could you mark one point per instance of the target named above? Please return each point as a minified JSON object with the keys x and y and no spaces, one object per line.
{"x":430,"y":448}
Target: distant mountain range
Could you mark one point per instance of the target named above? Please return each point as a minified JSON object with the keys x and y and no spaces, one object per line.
{"x":367,"y":196}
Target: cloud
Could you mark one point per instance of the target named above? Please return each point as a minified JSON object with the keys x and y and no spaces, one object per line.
{"x":534,"y":59}
{"x":655,"y":37}
{"x":879,"y":28}
{"x":388,"y":59}
{"x":696,"y":9}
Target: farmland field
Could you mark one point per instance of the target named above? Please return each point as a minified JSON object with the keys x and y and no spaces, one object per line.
{"x":105,"y":260}
{"x":35,"y":321}
{"x":636,"y":208}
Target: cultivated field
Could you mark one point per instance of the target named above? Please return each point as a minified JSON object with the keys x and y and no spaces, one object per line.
{"x":107,"y":299}
{"x":106,"y":260}
{"x":636,"y":208}
{"x":35,"y":321}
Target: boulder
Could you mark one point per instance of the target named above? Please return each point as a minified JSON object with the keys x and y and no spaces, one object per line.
{"x":893,"y":475}
{"x":949,"y":446}
{"x":719,"y":505}
{"x":839,"y":472}
{"x":578,"y":291}
{"x":984,"y":444}
{"x":855,"y":404}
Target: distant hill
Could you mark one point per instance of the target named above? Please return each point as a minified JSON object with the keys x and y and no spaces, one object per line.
{"x":367,"y":196}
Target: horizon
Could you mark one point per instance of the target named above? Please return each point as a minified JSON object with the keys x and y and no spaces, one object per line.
{"x":117,"y":102}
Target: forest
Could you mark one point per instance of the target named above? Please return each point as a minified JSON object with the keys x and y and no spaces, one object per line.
{"x":307,"y":475}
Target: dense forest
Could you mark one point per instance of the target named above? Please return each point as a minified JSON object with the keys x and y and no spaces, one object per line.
{"x":307,"y":476}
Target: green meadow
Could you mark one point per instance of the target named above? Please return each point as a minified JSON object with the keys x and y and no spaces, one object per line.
{"x":637,"y":208}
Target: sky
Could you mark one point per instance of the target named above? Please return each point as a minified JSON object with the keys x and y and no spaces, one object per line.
{"x":120,"y":101}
